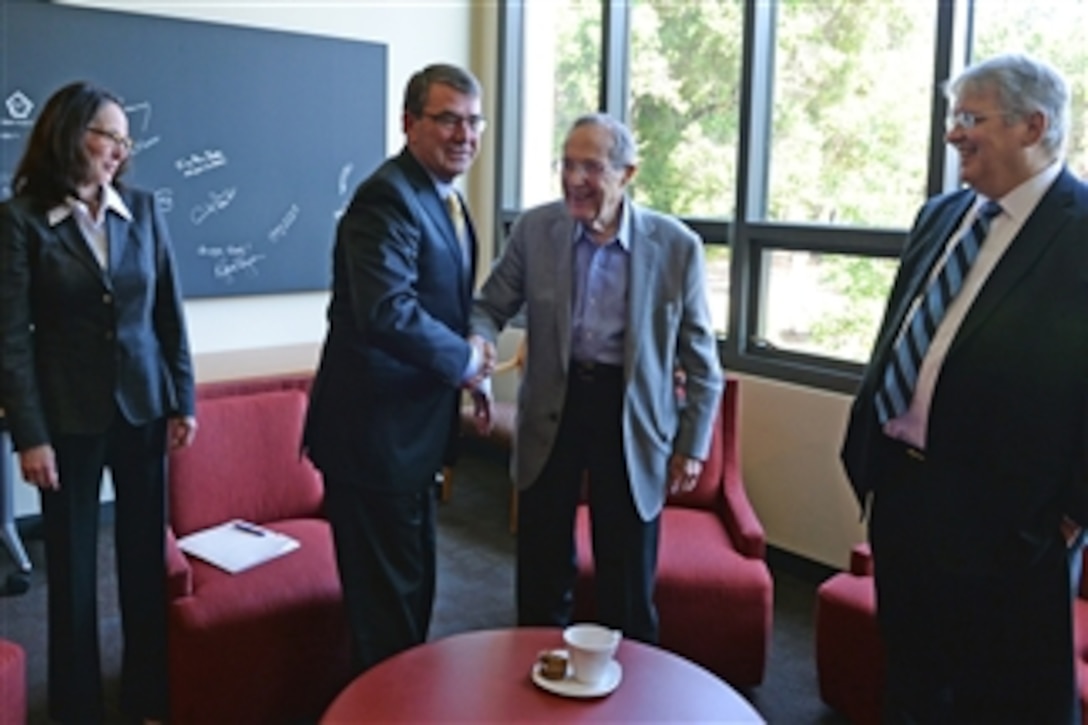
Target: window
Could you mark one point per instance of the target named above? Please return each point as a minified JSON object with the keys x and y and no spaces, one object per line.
{"x":561,"y":82}
{"x":849,"y":122}
{"x":823,"y":304}
{"x":684,"y":107}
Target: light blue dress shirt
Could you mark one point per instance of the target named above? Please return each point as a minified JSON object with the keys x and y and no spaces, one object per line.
{"x":599,"y":294}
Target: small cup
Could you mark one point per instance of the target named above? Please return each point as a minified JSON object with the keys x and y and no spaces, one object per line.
{"x":591,"y":648}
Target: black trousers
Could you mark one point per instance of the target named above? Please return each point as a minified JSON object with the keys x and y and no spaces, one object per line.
{"x":385,"y":552}
{"x":589,"y":440}
{"x":135,"y":456}
{"x":966,"y":646}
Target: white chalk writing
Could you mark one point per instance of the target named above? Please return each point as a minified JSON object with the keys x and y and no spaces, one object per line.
{"x":345,"y":175}
{"x":164,"y":199}
{"x":216,"y":202}
{"x":280,"y":230}
{"x":231,"y":261}
{"x":199,"y":163}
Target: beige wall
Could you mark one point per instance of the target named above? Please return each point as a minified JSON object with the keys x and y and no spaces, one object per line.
{"x":790,"y":435}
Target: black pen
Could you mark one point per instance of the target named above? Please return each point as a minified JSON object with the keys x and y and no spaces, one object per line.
{"x":249,"y":528}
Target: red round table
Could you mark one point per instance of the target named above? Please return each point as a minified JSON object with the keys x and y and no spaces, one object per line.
{"x":485,"y":676}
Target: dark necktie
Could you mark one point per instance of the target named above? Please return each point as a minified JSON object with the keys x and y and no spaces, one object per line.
{"x":901,"y":375}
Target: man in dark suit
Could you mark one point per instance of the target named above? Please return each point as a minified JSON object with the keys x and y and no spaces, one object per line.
{"x":969,"y":445}
{"x":385,"y":400}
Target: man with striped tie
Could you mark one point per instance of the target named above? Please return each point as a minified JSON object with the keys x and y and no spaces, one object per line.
{"x":967,"y":444}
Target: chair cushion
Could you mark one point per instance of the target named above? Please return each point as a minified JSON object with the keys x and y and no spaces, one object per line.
{"x":269,"y":644}
{"x":245,"y":463}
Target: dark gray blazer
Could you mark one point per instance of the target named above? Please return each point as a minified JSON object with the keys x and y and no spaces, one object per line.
{"x":78,"y":342}
{"x":668,"y":327}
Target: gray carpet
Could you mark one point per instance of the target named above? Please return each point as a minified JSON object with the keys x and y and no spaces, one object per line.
{"x":475,"y":591}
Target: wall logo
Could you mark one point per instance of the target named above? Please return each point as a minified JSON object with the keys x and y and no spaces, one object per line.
{"x":19,"y":106}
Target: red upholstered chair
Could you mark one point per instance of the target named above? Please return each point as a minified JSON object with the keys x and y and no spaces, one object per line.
{"x":12,"y":683}
{"x":270,"y":643}
{"x":849,"y":651}
{"x":714,"y":590}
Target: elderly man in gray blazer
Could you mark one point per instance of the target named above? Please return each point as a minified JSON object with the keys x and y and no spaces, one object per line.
{"x":615,"y":304}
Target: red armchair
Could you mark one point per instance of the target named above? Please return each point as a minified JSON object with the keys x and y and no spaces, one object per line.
{"x":714,"y":589}
{"x":270,"y":643}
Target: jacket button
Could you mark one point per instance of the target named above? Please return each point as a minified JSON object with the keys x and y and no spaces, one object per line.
{"x":107,"y":298}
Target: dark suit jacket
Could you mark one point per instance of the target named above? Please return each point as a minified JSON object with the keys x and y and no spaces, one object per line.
{"x":78,"y":342}
{"x":386,"y":395}
{"x":1007,"y":440}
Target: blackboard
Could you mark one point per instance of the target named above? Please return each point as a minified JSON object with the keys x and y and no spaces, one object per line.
{"x":252,"y":140}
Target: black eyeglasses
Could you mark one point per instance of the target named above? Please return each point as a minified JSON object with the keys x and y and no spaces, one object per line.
{"x":450,"y":121}
{"x":122,"y":142}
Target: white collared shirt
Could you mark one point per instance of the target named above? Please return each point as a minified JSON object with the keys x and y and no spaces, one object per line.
{"x":1016,"y":207}
{"x":93,"y":228}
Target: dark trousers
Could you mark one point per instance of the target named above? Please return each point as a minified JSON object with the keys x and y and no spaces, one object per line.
{"x":964,"y":646}
{"x":589,"y":440}
{"x":385,"y":552}
{"x":135,"y":456}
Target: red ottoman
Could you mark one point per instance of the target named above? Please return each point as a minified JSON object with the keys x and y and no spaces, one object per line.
{"x":12,"y":683}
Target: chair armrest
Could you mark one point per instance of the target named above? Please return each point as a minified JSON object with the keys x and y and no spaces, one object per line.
{"x":861,"y":560}
{"x":740,"y":518}
{"x":179,"y":575}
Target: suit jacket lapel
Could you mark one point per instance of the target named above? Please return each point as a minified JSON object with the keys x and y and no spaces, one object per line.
{"x":1038,"y":232}
{"x":562,"y":237}
{"x":118,"y":228}
{"x":644,"y":251}
{"x":71,"y":238}
{"x":425,"y":191}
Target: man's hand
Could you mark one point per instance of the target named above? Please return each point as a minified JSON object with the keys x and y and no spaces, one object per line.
{"x":481,"y":409}
{"x":39,"y":467}
{"x":683,"y":473}
{"x":484,"y":351}
{"x":180,"y":431}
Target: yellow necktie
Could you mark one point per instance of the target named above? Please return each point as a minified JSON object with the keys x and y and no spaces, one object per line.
{"x":457,"y":214}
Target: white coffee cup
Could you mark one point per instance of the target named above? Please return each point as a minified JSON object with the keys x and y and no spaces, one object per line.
{"x":591,"y":648}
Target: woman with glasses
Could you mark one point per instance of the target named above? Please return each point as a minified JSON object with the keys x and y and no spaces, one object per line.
{"x":94,"y":372}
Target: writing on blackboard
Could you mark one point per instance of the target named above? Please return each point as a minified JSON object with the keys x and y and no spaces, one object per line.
{"x":199,"y":163}
{"x":164,"y":199}
{"x":345,"y":175}
{"x":280,"y":230}
{"x":19,"y":106}
{"x":217,"y":200}
{"x":231,"y":260}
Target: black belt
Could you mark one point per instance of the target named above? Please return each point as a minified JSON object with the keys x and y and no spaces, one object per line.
{"x":595,"y":372}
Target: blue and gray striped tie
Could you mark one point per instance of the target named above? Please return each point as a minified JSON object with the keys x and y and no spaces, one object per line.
{"x":901,"y":375}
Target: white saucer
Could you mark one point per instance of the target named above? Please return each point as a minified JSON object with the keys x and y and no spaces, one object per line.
{"x":570,"y":687}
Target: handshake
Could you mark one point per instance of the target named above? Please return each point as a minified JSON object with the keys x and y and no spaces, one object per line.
{"x":478,"y":381}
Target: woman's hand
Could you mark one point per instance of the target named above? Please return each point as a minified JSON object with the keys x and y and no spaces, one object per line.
{"x":181,"y":431}
{"x":39,"y":467}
